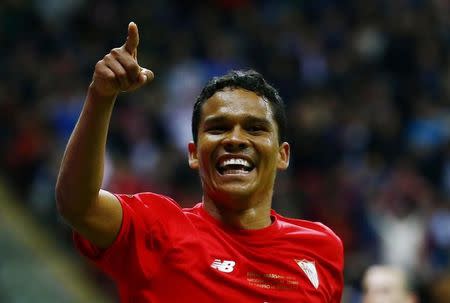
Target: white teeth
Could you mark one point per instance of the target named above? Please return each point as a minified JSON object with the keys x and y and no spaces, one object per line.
{"x":235,"y":161}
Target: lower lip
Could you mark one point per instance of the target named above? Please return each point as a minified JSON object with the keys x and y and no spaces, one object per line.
{"x":236,"y":173}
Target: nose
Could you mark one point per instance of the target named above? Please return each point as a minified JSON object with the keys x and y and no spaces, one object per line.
{"x":235,"y":140}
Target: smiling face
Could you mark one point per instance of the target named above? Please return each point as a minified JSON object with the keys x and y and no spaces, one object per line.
{"x":237,"y":151}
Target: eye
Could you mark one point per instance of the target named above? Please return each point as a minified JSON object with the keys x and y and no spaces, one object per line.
{"x":256,"y":129}
{"x":216,"y":129}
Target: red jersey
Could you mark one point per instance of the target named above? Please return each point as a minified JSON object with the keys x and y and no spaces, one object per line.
{"x":167,"y":254}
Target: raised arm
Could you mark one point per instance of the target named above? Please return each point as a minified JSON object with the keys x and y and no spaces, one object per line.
{"x":95,"y":213}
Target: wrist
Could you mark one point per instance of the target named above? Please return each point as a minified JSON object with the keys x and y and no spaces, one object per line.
{"x":101,"y":97}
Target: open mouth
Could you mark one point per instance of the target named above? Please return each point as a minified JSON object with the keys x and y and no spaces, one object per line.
{"x":234,"y":166}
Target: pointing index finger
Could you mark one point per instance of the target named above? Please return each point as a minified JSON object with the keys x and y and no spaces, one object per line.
{"x":133,"y":39}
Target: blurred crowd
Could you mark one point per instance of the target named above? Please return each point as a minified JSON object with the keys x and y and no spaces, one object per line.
{"x":366,"y":85}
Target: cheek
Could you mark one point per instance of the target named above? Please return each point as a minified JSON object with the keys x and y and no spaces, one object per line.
{"x":268,"y":147}
{"x":204,"y":161}
{"x":207,"y":145}
{"x":205,"y":158}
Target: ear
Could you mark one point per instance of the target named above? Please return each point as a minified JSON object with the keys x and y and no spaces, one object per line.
{"x":193,"y":159}
{"x":284,"y":153}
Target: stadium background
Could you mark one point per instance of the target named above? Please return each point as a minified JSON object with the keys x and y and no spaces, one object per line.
{"x":367,"y":87}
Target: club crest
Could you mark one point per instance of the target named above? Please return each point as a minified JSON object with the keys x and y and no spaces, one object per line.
{"x":309,"y":268}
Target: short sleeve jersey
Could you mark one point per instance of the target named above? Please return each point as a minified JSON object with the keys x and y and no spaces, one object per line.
{"x":164,"y":253}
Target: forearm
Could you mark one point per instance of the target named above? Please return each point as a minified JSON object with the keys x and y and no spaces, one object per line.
{"x":81,"y":171}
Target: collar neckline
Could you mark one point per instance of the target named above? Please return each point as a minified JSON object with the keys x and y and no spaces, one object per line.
{"x":255,"y":234}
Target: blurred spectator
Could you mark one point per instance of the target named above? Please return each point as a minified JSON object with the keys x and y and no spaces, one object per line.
{"x":398,"y":214}
{"x":385,"y":284}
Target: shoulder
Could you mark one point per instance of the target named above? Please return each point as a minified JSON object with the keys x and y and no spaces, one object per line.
{"x":144,"y":198}
{"x":148,"y":204}
{"x":147,"y":200}
{"x":316,"y":231}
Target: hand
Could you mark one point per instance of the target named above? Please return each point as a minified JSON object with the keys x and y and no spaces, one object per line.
{"x":119,"y":70}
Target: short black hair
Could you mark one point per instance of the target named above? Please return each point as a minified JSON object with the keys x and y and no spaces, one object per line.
{"x":249,"y":80}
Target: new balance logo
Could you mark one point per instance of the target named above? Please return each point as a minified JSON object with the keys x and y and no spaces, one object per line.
{"x":223,"y":266}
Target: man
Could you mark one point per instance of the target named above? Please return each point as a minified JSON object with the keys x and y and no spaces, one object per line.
{"x":386,"y":284}
{"x":231,"y":247}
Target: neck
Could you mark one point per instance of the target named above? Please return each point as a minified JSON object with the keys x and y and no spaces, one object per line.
{"x":254,"y":217}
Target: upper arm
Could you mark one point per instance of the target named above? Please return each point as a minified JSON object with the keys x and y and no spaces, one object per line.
{"x":101,"y":222}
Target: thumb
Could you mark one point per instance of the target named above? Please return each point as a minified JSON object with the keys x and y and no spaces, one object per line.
{"x":145,"y":76}
{"x":132,"y":39}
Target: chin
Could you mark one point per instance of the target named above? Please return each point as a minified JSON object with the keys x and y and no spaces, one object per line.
{"x":233,"y":196}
